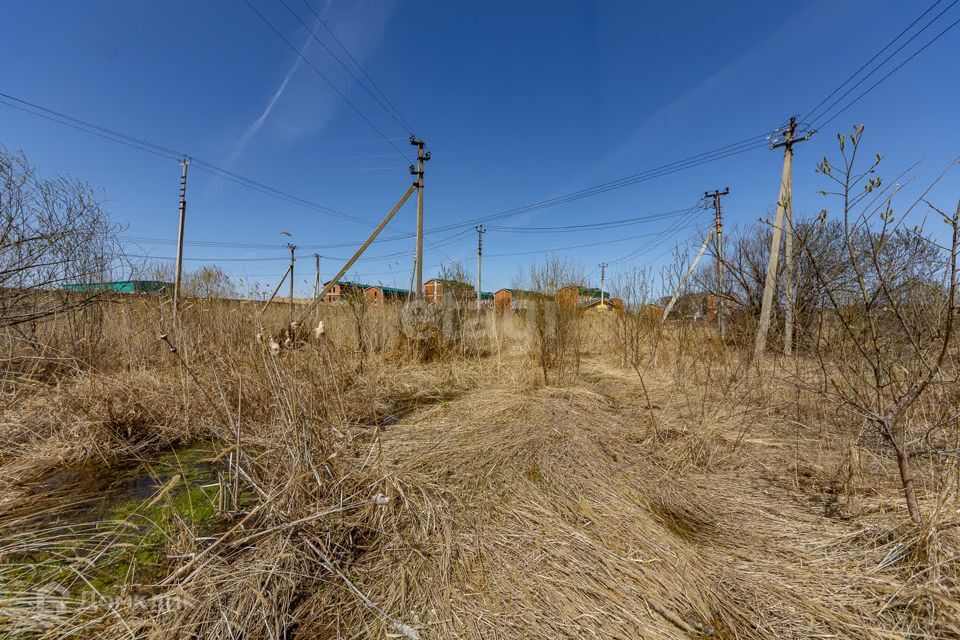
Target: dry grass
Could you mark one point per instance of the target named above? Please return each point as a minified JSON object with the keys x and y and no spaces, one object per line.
{"x":378,"y":496}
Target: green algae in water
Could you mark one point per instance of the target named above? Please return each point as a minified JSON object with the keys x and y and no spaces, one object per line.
{"x":102,"y":529}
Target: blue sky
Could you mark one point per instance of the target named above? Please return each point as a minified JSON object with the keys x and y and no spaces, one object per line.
{"x":518,"y":101}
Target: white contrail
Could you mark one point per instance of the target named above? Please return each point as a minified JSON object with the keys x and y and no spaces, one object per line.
{"x":255,"y":126}
{"x":258,"y":123}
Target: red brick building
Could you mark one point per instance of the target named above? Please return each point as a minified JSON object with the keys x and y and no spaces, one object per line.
{"x":435,"y":289}
{"x":376,"y":295}
{"x":338,"y":291}
{"x":576,"y":296}
{"x":514,"y":299}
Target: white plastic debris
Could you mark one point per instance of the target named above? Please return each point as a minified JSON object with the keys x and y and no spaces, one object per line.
{"x":381,"y":499}
{"x":320,"y":331}
{"x":406,"y":631}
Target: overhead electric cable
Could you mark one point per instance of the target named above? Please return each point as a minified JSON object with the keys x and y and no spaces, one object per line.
{"x":867,"y":63}
{"x":726,"y":151}
{"x":322,"y":75}
{"x":670,"y":231}
{"x":358,"y":65}
{"x":893,"y":71}
{"x":166,"y":152}
{"x":813,"y":123}
{"x":381,"y":100}
{"x":598,"y":226}
{"x":592,"y":244}
{"x":576,"y":228}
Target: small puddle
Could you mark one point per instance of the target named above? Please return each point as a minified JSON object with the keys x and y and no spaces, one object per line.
{"x":90,"y":492}
{"x":104,"y":522}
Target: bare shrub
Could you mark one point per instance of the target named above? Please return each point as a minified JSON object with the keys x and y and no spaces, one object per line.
{"x":556,"y":325}
{"x":888,"y":318}
{"x":53,"y":232}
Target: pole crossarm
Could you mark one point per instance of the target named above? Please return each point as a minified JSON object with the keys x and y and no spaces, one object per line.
{"x":355,"y":256}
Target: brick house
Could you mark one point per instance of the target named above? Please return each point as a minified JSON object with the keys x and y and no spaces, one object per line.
{"x":577,"y":296}
{"x":378,"y":295}
{"x":435,"y":289}
{"x":514,"y":299}
{"x":339,"y":290}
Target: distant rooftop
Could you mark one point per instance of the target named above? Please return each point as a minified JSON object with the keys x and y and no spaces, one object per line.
{"x":120,"y":286}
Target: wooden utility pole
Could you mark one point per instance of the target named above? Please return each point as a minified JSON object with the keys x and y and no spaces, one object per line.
{"x":293,"y":252}
{"x":784,"y":205}
{"x":603,"y":279}
{"x":316,"y":279}
{"x":418,"y":183}
{"x":183,"y":215}
{"x":718,"y":238}
{"x":480,"y":232}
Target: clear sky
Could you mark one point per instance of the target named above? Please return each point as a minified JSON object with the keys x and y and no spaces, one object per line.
{"x":518,"y":101}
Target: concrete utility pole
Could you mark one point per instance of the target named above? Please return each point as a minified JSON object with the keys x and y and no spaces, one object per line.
{"x":293,"y":252}
{"x":480,"y":232}
{"x":718,"y":226}
{"x":316,"y":280}
{"x":784,"y":206}
{"x":373,"y":236}
{"x":603,"y":279}
{"x":183,"y":215}
{"x":683,"y":282}
{"x":788,"y":274}
{"x":418,"y":172}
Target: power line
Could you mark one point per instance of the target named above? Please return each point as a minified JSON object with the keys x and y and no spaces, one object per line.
{"x":359,"y":66}
{"x":599,"y":226}
{"x":725,"y":151}
{"x":670,"y":231}
{"x":749,"y":144}
{"x":387,"y":256}
{"x":170,"y":258}
{"x":382,"y":100}
{"x":674,"y":227}
{"x":867,"y":63}
{"x":320,"y":73}
{"x":720,"y":153}
{"x":592,"y":244}
{"x":244,"y":245}
{"x":895,"y":69}
{"x":592,"y":226}
{"x":168,"y":153}
{"x":883,"y":62}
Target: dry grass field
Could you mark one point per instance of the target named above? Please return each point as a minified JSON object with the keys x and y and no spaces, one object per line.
{"x":398,"y":320}
{"x":329,"y":491}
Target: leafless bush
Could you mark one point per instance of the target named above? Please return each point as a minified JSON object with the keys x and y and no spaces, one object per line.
{"x":555,"y":324}
{"x":887,"y":321}
{"x":53,"y":232}
{"x":639,"y":320}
